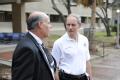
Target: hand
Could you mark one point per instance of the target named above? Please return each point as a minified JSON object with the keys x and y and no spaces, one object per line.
{"x":57,"y":75}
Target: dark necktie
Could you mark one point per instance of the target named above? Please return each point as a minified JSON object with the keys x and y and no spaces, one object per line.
{"x":49,"y":56}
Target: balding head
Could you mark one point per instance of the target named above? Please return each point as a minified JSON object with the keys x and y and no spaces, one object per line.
{"x":34,"y":18}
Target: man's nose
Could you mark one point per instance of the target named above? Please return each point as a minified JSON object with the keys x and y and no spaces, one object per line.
{"x":70,"y":26}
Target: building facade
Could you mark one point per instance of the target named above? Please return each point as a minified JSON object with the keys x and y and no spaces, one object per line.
{"x":8,"y":14}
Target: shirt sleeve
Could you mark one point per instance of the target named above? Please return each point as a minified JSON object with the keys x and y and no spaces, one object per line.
{"x":87,"y":50}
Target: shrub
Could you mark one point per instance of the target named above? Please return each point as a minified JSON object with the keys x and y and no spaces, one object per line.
{"x":113,"y":28}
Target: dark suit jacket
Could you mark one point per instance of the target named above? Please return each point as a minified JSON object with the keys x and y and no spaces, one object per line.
{"x":28,"y":61}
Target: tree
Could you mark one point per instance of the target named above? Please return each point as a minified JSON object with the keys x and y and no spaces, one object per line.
{"x":103,"y":7}
{"x":66,"y":4}
{"x":86,"y":3}
{"x":92,"y":4}
{"x":92,"y":27}
{"x":58,"y":11}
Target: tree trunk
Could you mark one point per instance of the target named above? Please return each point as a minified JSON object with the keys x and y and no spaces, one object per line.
{"x":106,"y":18}
{"x":92,"y":28}
{"x":108,"y":30}
{"x":68,"y":6}
{"x":107,"y":27}
{"x":59,"y":12}
{"x":106,"y":24}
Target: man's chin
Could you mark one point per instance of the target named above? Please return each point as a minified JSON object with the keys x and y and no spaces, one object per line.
{"x":71,"y":33}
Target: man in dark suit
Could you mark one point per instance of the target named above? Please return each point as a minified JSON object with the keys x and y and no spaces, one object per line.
{"x":31,"y":61}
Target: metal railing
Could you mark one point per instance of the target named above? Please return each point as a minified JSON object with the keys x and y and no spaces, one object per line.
{"x":102,"y":47}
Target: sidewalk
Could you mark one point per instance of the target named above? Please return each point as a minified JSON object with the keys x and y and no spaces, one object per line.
{"x":107,"y":51}
{"x":107,"y":67}
{"x":7,"y":47}
{"x":6,"y":51}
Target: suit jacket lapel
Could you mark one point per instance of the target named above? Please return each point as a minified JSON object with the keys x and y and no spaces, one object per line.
{"x":40,"y":49}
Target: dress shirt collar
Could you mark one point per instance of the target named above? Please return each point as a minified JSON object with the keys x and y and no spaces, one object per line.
{"x":69,"y":38}
{"x":36,"y":38}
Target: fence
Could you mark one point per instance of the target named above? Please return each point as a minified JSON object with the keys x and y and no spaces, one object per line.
{"x":102,"y":47}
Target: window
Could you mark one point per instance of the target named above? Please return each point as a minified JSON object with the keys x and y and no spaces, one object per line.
{"x":55,"y":18}
{"x":5,"y":16}
{"x":83,"y":19}
{"x":97,"y":20}
{"x":1,"y":16}
{"x":8,"y":16}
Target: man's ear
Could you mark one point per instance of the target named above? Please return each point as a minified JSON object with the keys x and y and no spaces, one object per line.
{"x":39,"y":24}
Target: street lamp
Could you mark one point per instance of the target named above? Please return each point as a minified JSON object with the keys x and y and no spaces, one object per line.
{"x":118,"y":36}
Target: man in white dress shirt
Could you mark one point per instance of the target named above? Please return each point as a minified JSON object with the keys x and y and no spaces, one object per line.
{"x":71,"y":52}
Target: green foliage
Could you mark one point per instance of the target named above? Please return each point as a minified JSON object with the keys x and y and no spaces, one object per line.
{"x":113,"y":28}
{"x":50,"y":40}
{"x":101,"y":36}
{"x":53,"y":37}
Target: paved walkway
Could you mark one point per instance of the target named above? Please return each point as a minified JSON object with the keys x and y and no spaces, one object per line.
{"x":104,"y":68}
{"x":107,"y":67}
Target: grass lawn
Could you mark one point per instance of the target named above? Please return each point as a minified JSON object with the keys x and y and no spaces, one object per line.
{"x":102,"y":41}
{"x":101,"y":36}
{"x":50,"y":40}
{"x":53,"y":37}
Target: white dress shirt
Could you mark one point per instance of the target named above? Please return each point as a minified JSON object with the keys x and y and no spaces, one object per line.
{"x":71,"y":55}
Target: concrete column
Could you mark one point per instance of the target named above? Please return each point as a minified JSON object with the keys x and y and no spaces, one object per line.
{"x":19,"y":17}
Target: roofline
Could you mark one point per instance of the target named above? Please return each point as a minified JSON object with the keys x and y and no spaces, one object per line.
{"x":16,"y":1}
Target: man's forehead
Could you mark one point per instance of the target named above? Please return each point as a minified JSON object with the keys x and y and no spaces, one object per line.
{"x":71,"y":18}
{"x":75,"y":18}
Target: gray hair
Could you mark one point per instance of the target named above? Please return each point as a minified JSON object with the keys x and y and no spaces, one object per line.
{"x":33,"y":20}
{"x":77,"y":17}
{"x":36,"y":17}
